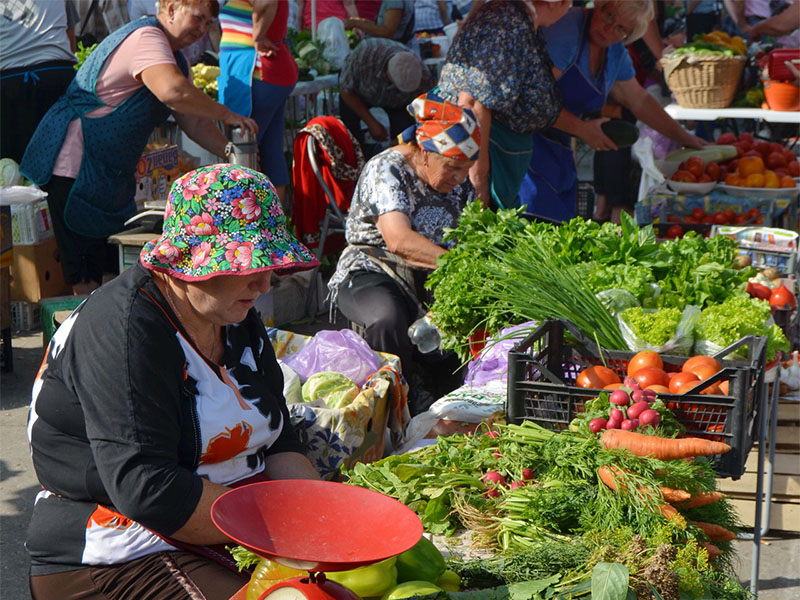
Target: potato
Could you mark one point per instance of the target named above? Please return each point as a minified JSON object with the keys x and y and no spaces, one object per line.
{"x":771,"y":273}
{"x":742,"y":260}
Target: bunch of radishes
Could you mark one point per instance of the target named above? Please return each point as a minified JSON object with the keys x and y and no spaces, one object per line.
{"x":630,"y":408}
{"x":494,"y":480}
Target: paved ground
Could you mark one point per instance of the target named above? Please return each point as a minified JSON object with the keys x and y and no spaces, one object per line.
{"x":780,"y":556}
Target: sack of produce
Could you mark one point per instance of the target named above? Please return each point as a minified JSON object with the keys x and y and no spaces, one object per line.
{"x":666,"y":330}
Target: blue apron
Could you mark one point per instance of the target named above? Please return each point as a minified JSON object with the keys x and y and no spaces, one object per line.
{"x":102,"y":197}
{"x":550,"y":186}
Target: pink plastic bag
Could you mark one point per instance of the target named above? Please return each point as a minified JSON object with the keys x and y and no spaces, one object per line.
{"x":342,"y":351}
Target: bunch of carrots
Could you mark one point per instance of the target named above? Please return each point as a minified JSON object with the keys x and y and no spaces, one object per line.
{"x":670,"y":500}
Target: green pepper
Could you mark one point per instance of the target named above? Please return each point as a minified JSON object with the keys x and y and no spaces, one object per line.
{"x":449,"y":581}
{"x":411,"y":588}
{"x":423,"y":561}
{"x":372,"y":580}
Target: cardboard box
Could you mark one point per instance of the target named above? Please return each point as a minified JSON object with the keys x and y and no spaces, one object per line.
{"x":155,"y":173}
{"x":36,"y":272}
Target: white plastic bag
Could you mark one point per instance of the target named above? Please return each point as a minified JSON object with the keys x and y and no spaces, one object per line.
{"x":331,"y":31}
{"x":680,"y":343}
{"x":20,"y":194}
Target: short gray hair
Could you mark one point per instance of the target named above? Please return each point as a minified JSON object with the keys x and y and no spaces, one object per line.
{"x":641,"y":12}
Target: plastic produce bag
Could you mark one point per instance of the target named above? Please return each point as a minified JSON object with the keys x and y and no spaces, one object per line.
{"x":492,"y":364}
{"x":342,"y":351}
{"x":335,"y":389}
{"x":615,"y":301}
{"x":681,"y":343}
{"x":331,"y":32}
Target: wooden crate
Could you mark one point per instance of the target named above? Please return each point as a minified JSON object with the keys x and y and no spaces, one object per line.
{"x":785,"y":510}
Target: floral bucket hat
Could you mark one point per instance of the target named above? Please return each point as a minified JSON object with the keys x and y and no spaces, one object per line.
{"x":224,"y":220}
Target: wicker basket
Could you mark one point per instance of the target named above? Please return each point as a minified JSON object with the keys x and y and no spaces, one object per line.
{"x":703,"y":81}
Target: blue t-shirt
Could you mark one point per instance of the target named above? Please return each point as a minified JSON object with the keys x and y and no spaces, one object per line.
{"x":563,"y":40}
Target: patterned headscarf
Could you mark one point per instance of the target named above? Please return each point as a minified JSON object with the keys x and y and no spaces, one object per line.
{"x":443,"y":127}
{"x":224,"y":220}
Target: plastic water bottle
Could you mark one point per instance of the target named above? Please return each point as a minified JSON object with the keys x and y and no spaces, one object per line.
{"x":425,"y":335}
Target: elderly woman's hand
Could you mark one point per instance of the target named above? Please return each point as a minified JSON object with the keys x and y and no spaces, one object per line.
{"x":591,"y":132}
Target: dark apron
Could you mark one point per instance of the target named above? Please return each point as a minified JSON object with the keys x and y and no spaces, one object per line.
{"x":550,"y":186}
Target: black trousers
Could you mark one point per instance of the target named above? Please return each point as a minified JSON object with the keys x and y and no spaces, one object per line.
{"x":26,"y":94}
{"x":377,"y":302}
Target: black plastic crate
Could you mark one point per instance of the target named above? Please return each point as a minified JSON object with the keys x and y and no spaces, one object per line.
{"x":584,"y":206}
{"x":543,"y":368}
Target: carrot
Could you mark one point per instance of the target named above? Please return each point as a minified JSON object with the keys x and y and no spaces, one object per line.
{"x":661,"y":448}
{"x":702,"y":500}
{"x":716,"y":533}
{"x":674,"y":496}
{"x":712,"y":550}
{"x":608,"y":475}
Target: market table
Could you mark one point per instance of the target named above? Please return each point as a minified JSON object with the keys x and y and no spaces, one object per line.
{"x":712,"y":114}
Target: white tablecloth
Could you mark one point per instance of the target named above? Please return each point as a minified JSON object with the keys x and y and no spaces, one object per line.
{"x":712,"y":114}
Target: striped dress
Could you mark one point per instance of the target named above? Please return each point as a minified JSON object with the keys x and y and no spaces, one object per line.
{"x":236,"y":20}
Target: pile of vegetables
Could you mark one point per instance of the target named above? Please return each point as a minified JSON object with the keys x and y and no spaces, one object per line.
{"x":506,"y":270}
{"x":307,"y":53}
{"x":205,"y":78}
{"x":562,"y":511}
{"x":83,"y":53}
{"x":716,"y":43}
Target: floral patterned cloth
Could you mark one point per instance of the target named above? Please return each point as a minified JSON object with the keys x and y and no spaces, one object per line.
{"x":388,"y":184}
{"x":224,"y":220}
{"x":502,"y":62}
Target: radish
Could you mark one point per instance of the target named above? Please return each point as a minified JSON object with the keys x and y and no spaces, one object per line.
{"x":612,"y":424}
{"x":616,"y":414}
{"x":597,"y":425}
{"x":497,"y":454}
{"x":527,"y":474}
{"x":635,"y":423}
{"x":636,"y":409}
{"x":493,"y":480}
{"x":637,"y":396}
{"x":649,"y":395}
{"x":517,"y":484}
{"x":649,"y":417}
{"x":631,"y":383}
{"x":627,"y":425}
{"x":492,"y":434}
{"x":620,"y":397}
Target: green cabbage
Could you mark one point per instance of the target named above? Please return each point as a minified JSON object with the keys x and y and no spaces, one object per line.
{"x":9,"y":172}
{"x":335,"y":389}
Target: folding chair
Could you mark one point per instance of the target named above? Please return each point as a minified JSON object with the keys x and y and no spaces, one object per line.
{"x":334,"y":219}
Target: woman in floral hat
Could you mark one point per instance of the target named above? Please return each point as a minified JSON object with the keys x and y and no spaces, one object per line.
{"x":404,"y":199}
{"x":159,"y":393}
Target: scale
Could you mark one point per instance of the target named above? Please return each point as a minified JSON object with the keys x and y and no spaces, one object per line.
{"x":315,"y":526}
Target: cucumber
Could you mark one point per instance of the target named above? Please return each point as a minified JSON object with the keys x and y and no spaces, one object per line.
{"x":708,"y":154}
{"x":622,"y":133}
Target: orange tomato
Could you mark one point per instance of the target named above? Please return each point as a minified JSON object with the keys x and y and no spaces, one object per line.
{"x":700,"y":359}
{"x":645,"y":358}
{"x":683,"y":382}
{"x":596,"y":377}
{"x":724,"y":388}
{"x":771,"y":180}
{"x":732,"y":179}
{"x":787,"y":182}
{"x":612,"y":386}
{"x":685,"y":176}
{"x":755,"y":180}
{"x":647,"y":376}
{"x":748,"y":165}
{"x":704,"y":372}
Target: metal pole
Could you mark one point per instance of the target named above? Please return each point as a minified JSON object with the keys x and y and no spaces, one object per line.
{"x":313,"y":20}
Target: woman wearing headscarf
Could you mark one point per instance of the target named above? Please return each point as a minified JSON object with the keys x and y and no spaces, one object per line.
{"x":157,"y":395}
{"x":85,"y":150}
{"x":498,"y":67}
{"x":404,"y":199}
{"x":591,"y":63}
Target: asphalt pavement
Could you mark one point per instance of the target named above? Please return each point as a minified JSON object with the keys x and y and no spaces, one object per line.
{"x":779,"y":573}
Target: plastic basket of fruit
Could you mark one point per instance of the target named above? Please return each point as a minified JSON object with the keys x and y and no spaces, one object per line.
{"x":543,"y":386}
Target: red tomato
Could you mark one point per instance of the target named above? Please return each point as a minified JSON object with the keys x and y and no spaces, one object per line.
{"x":597,"y":377}
{"x":733,"y":165}
{"x":673,"y":219}
{"x":753,"y":213}
{"x":708,"y":220}
{"x":704,"y":178}
{"x":753,"y":153}
{"x":762,"y":148}
{"x":729,"y":214}
{"x":644,"y":359}
{"x":793,"y":168}
{"x":685,"y":176}
{"x":726,"y":138}
{"x":698,"y":213}
{"x":695,"y":166}
{"x":790,"y":156}
{"x":690,"y":219}
{"x":746,"y":136}
{"x":647,"y":376}
{"x":776,"y":160}
{"x":712,"y":170}
{"x":720,"y":218}
{"x":782,"y":172}
{"x":740,"y":219}
{"x":683,"y":382}
{"x":674,"y":231}
{"x":776,"y":147}
{"x":759,"y":220}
